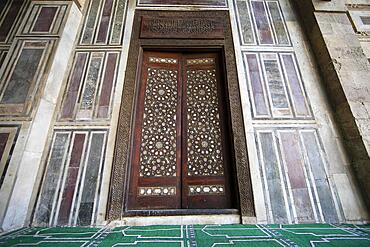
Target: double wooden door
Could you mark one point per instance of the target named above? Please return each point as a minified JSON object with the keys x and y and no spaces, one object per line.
{"x":180,"y":155}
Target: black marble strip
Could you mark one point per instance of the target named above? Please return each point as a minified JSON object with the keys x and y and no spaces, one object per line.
{"x":9,"y":20}
{"x":52,"y":179}
{"x":94,"y":160}
{"x":65,"y":154}
{"x":23,"y":76}
{"x":12,"y":132}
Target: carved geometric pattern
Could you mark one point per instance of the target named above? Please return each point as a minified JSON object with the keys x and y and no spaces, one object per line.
{"x":200,"y":61}
{"x":158,"y":138}
{"x":204,"y":129}
{"x":162,"y":60}
{"x":214,"y":189}
{"x":157,"y":191}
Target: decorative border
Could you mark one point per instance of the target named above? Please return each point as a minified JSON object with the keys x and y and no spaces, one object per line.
{"x":123,"y":139}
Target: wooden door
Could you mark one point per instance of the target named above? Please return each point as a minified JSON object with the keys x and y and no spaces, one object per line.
{"x":180,"y":152}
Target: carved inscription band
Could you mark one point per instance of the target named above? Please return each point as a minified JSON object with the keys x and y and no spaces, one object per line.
{"x":189,"y":28}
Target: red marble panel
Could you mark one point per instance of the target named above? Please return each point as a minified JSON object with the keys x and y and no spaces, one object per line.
{"x":293,"y":158}
{"x":9,"y":19}
{"x":104,"y":21}
{"x":75,"y":81}
{"x":45,"y":19}
{"x":106,"y":91}
{"x":294,"y":161}
{"x":71,"y":180}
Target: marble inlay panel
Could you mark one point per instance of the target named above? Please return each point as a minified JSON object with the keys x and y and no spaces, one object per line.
{"x":293,"y":161}
{"x":10,"y":13}
{"x":3,"y":53}
{"x":261,"y":22}
{"x":361,"y":20}
{"x":92,"y":173}
{"x":71,"y":185}
{"x":90,"y":88}
{"x":44,"y":19}
{"x":315,"y":161}
{"x":8,"y":137}
{"x":272,"y":178}
{"x":104,"y":22}
{"x":72,"y":170}
{"x":295,"y":180}
{"x":276,"y":86}
{"x":20,"y":81}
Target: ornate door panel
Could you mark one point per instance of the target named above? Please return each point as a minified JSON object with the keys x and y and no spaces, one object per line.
{"x":204,"y":155}
{"x":156,"y":152}
{"x":179,"y":158}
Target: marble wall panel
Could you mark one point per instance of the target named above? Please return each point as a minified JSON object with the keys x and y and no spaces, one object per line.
{"x":288,"y":111}
{"x":8,"y":137}
{"x":21,"y":79}
{"x":44,"y":19}
{"x":10,"y":15}
{"x":276,"y":87}
{"x":3,"y":53}
{"x":296,"y":183}
{"x":90,"y":86}
{"x":361,"y":19}
{"x":70,"y":191}
{"x":104,"y":22}
{"x":261,"y":22}
{"x":71,"y":185}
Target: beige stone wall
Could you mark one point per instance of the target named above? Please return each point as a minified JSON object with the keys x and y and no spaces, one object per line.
{"x":345,"y":70}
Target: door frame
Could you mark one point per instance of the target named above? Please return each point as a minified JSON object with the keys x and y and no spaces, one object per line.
{"x":227,"y":140}
{"x":120,"y":170}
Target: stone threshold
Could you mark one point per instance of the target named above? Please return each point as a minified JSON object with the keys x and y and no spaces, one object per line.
{"x":177,"y":220}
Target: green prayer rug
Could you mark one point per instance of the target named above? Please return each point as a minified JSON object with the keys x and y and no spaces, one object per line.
{"x":193,"y":236}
